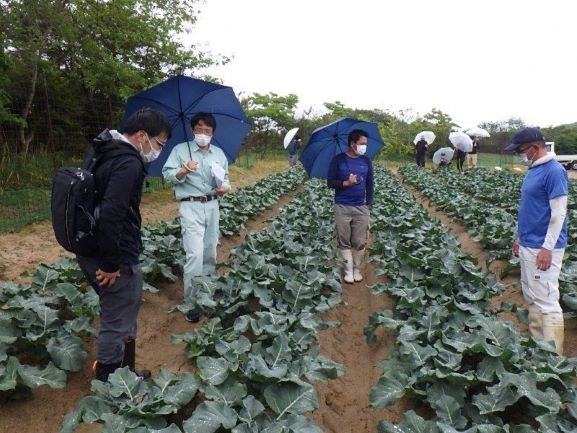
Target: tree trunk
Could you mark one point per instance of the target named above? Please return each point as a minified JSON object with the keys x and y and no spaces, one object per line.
{"x":48,"y":118}
{"x":24,"y":138}
{"x":110,"y":124}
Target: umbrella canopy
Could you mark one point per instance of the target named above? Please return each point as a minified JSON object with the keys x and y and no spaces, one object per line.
{"x":180,"y":98}
{"x":443,"y":155}
{"x":428,"y":136}
{"x":289,"y":136}
{"x":461,"y":141}
{"x":332,"y":139}
{"x":478,"y":132}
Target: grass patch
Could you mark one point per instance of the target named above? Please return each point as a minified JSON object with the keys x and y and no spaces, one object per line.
{"x":31,"y":203}
{"x":23,"y":206}
{"x":33,"y":171}
{"x":491,"y":160}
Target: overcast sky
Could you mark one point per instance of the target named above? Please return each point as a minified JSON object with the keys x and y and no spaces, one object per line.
{"x":475,"y":60}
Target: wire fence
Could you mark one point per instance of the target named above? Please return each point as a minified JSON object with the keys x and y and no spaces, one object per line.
{"x":20,"y":207}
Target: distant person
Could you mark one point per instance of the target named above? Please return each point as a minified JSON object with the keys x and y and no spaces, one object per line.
{"x":472,"y":155}
{"x":351,"y":176}
{"x":542,"y":234}
{"x":460,"y":159}
{"x":444,"y":160}
{"x":292,"y":150}
{"x":189,"y":168}
{"x":115,"y":271}
{"x":420,"y":151}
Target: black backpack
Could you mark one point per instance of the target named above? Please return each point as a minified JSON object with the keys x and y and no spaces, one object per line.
{"x":74,"y":205}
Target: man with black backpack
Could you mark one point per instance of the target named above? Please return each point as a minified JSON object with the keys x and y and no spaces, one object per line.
{"x":113,"y":268}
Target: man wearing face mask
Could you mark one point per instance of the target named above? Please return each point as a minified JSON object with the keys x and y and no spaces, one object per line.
{"x":115,"y":271}
{"x":542,"y":234}
{"x":351,"y":176}
{"x":189,"y":168}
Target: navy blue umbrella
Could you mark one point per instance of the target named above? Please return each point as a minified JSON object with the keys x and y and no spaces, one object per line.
{"x":180,"y":98}
{"x":330,"y":140}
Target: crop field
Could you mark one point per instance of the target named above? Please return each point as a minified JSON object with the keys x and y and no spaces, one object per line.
{"x":434,"y":339}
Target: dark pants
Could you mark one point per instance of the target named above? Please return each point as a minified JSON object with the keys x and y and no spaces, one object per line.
{"x":420,"y":157}
{"x":119,"y":306}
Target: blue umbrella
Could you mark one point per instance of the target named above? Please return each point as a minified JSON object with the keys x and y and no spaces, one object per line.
{"x":330,"y":140}
{"x":180,"y":98}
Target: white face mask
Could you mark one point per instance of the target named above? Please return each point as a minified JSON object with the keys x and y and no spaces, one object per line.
{"x":150,"y":156}
{"x":524,"y":159}
{"x":361,"y":149}
{"x":202,"y":140}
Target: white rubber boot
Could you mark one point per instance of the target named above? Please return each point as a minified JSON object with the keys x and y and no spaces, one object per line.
{"x":358,"y":257}
{"x":535,"y":322}
{"x":347,"y":256}
{"x":554,"y":330}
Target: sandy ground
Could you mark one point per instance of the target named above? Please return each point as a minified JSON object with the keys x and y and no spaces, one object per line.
{"x":44,"y":412}
{"x":343,"y":402}
{"x":512,"y":292}
{"x":23,"y":251}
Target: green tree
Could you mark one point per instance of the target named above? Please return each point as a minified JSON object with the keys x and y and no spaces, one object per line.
{"x":438,"y":122}
{"x":80,"y":53}
{"x":6,"y":116}
{"x":271,"y":114}
{"x":392,"y":127}
{"x":565,"y":138}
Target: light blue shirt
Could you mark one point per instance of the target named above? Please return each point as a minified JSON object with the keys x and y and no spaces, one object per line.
{"x":201,"y":181}
{"x":542,"y":183}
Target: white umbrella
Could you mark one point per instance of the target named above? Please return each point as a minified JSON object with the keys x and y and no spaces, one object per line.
{"x":478,"y":132}
{"x":289,"y":136}
{"x":443,"y":155}
{"x":428,"y":136}
{"x":461,"y":141}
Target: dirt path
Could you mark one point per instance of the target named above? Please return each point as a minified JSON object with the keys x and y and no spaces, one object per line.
{"x":44,"y":412}
{"x":344,"y":402}
{"x":344,"y":405}
{"x":512,"y":293}
{"x":23,"y":251}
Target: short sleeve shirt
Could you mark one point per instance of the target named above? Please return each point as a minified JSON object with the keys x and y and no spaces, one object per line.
{"x":541,"y":184}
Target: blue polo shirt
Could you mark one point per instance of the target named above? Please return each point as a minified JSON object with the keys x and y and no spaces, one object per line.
{"x":541,"y":184}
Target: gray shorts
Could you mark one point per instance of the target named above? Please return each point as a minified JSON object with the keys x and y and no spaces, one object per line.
{"x":352,"y":224}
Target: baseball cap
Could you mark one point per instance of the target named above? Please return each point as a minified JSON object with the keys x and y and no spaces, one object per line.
{"x":524,"y":136}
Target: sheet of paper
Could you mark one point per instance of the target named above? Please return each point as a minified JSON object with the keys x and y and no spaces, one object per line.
{"x":218,"y":173}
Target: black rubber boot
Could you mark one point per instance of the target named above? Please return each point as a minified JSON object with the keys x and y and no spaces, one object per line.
{"x":129,"y":359}
{"x":192,"y":316}
{"x":102,"y":371}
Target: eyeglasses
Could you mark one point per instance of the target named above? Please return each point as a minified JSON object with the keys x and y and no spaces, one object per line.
{"x":522,"y":149}
{"x":160,"y":143}
{"x":199,"y":130}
